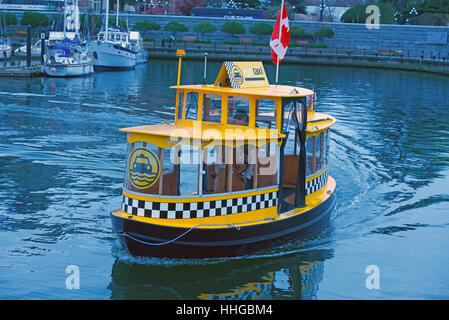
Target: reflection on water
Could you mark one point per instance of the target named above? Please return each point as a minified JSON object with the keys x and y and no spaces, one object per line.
{"x":295,"y":276}
{"x":62,"y":163}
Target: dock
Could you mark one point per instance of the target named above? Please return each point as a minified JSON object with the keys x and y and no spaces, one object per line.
{"x":21,"y":71}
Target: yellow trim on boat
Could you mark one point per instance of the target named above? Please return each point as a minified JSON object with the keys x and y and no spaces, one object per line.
{"x":316,"y":175}
{"x":237,"y":219}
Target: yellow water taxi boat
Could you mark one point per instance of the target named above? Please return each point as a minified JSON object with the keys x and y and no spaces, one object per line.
{"x":243,"y":167}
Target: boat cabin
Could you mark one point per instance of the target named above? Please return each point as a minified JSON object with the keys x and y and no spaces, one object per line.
{"x":237,"y":145}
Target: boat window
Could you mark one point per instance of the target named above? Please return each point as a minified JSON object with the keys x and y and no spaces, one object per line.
{"x":322,"y":150}
{"x":238,"y":110}
{"x":242,"y":168}
{"x":212,"y":108}
{"x":266,"y":113}
{"x":150,"y":169}
{"x":180,"y":103}
{"x":192,"y":106}
{"x":189,"y":171}
{"x":267,"y":157}
{"x":215,"y":169}
{"x":311,"y":167}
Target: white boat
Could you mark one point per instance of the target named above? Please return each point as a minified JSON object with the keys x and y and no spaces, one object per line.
{"x":65,"y":55}
{"x":65,"y":59}
{"x":5,"y":48}
{"x":137,"y":46}
{"x":35,"y":50}
{"x":112,"y":49}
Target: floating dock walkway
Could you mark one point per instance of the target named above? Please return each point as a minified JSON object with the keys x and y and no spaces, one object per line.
{"x":21,"y":71}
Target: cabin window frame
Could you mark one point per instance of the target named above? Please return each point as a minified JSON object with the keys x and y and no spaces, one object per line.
{"x":223,"y":107}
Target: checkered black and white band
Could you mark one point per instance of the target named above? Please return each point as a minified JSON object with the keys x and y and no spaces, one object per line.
{"x":317,"y":183}
{"x":187,"y":210}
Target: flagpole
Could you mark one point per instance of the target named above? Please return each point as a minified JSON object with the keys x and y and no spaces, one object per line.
{"x":280,"y":36}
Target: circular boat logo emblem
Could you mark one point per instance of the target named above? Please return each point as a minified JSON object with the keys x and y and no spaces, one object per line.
{"x":144,"y":168}
{"x":237,"y":75}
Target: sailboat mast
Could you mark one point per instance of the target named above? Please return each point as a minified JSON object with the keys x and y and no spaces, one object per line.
{"x":65,"y":16}
{"x":116,"y":19}
{"x":106,"y":38}
{"x":77,"y":17}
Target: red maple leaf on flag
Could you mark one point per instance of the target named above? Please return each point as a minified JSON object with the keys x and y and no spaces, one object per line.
{"x":280,"y":38}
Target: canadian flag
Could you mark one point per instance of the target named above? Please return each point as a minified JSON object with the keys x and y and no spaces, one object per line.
{"x":280,"y":38}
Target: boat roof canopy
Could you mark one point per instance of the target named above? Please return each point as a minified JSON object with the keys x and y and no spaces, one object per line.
{"x":270,"y":91}
{"x":247,"y":78}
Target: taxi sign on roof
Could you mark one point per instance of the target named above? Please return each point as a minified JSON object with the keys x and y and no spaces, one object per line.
{"x":242,"y":74}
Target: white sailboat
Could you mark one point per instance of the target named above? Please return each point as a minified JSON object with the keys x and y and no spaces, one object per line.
{"x":66,"y":56}
{"x":112,"y":49}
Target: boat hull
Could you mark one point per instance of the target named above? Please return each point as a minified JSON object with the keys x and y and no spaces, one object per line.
{"x":141,"y":57}
{"x":145,"y":239}
{"x":5,"y":52}
{"x":106,"y":56}
{"x":69,"y":70}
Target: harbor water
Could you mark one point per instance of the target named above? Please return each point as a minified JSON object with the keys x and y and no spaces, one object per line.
{"x":62,"y":162}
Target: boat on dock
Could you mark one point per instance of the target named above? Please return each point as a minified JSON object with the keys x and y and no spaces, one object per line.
{"x":112,"y":48}
{"x":243,"y":167}
{"x":66,"y":55}
{"x":35,"y":50}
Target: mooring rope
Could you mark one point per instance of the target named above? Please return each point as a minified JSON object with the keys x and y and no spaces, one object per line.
{"x":186,"y":232}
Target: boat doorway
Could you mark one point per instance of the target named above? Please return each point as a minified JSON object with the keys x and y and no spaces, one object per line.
{"x":292,"y":155}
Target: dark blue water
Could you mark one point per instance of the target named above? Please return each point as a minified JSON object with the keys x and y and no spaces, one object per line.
{"x":61,"y":172}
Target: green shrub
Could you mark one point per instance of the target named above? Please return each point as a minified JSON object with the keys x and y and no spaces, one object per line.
{"x":233,"y":28}
{"x":147,"y":25}
{"x":35,"y":19}
{"x":203,"y":41}
{"x":318,"y":46}
{"x":205,"y":27}
{"x":121,"y":23}
{"x":175,"y":26}
{"x":298,"y":32}
{"x":261,"y":29}
{"x":323,"y":32}
{"x":430,"y":19}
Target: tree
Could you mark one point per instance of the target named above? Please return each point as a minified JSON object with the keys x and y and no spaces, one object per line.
{"x":91,"y":22}
{"x":293,"y":6}
{"x":323,"y":32}
{"x":233,"y":28}
{"x":175,"y":26}
{"x":261,"y":29}
{"x":9,"y":19}
{"x":186,"y":6}
{"x":35,"y":19}
{"x":205,"y":27}
{"x":242,"y":4}
{"x":121,"y":22}
{"x":147,"y":25}
{"x":298,"y":32}
{"x":358,"y":13}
